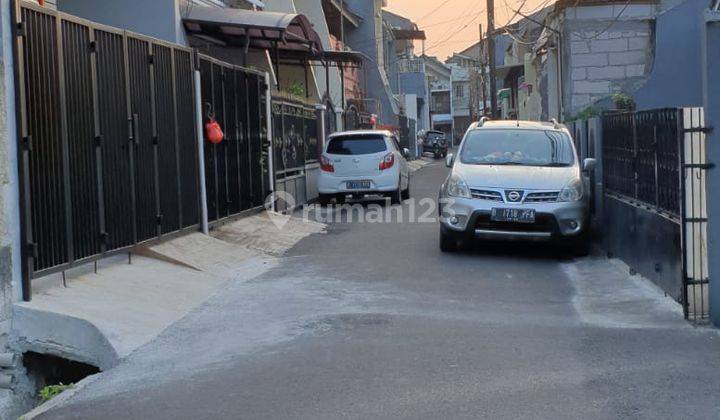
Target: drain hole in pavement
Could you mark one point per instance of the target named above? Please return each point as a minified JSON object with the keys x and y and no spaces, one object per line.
{"x":50,"y":374}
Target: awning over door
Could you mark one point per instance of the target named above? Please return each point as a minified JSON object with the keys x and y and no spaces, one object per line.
{"x":291,"y":33}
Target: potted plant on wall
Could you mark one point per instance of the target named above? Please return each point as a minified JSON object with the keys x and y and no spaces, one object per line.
{"x":623,"y":102}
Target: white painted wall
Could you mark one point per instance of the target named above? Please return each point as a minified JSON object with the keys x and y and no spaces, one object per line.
{"x":10,"y":274}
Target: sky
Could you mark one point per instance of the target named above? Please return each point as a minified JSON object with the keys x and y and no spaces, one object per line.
{"x":452,"y":25}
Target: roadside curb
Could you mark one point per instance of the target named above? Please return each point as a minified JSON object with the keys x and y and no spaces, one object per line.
{"x":60,"y":398}
{"x":417,"y":164}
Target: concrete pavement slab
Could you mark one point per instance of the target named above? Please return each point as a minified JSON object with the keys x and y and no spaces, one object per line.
{"x":100,"y":318}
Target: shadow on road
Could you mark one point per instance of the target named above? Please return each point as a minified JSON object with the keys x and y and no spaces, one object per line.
{"x":523,"y":250}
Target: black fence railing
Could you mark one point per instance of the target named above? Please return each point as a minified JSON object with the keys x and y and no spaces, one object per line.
{"x":641,"y":157}
{"x":297,"y":142}
{"x":236,"y":169}
{"x":295,"y":129}
{"x":108,"y":146}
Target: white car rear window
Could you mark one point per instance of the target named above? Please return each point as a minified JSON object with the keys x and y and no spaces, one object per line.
{"x":365,"y":145}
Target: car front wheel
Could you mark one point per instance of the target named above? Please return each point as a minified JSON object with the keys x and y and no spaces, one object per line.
{"x":448,"y":242}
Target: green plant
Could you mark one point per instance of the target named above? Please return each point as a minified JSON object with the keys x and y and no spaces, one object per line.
{"x":623,"y":101}
{"x":51,"y":391}
{"x":296,"y":89}
{"x":585,"y":114}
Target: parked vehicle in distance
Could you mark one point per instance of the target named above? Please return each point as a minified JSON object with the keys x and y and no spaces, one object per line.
{"x":434,"y":142}
{"x":364,"y":162}
{"x":516,"y":180}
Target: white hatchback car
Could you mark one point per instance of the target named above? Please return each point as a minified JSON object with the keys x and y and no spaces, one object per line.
{"x":365,"y":162}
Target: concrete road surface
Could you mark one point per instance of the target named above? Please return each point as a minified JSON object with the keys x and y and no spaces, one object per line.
{"x":372,"y":321}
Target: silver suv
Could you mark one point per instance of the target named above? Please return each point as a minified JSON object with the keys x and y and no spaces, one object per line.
{"x":515,"y":180}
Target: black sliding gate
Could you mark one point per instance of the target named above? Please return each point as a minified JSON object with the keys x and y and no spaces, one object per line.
{"x":108,"y":153}
{"x":655,"y":180}
{"x":297,"y":149}
{"x":236,"y":170}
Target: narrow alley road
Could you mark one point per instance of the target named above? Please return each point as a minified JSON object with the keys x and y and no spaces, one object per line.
{"x":372,"y":321}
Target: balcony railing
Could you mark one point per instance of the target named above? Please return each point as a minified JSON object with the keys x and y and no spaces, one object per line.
{"x":411,"y":65}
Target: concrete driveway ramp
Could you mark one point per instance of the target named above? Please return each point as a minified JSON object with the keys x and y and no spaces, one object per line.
{"x":202,"y":253}
{"x":100,"y":318}
{"x":269,"y":233}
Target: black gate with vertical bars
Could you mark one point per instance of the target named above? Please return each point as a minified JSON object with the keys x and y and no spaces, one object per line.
{"x":295,"y":132}
{"x":655,"y":177}
{"x":236,"y":170}
{"x":108,"y":155}
{"x":641,"y":157}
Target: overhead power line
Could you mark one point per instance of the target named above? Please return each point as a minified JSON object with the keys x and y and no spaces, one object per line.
{"x":434,"y":10}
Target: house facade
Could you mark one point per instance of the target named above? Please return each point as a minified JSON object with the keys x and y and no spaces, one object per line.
{"x":572,"y":58}
{"x":439,"y":77}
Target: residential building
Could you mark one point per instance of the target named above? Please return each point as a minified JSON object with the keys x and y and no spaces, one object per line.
{"x":339,"y":19}
{"x":439,"y":77}
{"x":462,"y":109}
{"x":407,"y":77}
{"x":406,"y":71}
{"x":368,"y":39}
{"x":572,"y":57}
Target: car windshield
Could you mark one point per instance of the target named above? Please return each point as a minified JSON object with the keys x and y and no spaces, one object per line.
{"x":364,"y":145}
{"x":517,"y":147}
{"x":435,"y":137}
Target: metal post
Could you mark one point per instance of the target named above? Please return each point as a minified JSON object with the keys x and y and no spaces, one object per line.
{"x":268,"y":122}
{"x":65,"y":143}
{"x":320,"y":117}
{"x":491,"y":55}
{"x":342,"y":22}
{"x":327,"y":81}
{"x":199,"y":124}
{"x":711,"y":102}
{"x":22,"y":234}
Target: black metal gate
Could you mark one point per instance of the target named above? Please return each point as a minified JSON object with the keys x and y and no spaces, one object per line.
{"x":108,"y":155}
{"x":655,"y":180}
{"x":296,"y":145}
{"x":236,"y":170}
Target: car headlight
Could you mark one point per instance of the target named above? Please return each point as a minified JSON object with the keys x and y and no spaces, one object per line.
{"x":456,"y":187}
{"x":573,"y":191}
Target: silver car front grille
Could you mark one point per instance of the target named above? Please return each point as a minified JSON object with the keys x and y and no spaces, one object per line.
{"x":542,"y":197}
{"x":486,"y":195}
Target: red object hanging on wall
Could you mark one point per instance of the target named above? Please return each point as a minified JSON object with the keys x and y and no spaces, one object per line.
{"x":214,"y":132}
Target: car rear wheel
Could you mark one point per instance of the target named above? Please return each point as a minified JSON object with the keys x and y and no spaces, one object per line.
{"x":324,"y":199}
{"x":396,"y":196}
{"x":406,"y":193}
{"x":448,"y":242}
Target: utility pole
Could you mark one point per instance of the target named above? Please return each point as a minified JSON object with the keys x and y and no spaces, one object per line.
{"x":481,"y":77}
{"x":491,"y":55}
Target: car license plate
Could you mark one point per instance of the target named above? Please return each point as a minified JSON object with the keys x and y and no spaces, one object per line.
{"x":357,"y":185}
{"x":513,"y":215}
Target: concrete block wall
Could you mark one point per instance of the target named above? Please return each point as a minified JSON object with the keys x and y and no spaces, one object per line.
{"x":605,"y":54}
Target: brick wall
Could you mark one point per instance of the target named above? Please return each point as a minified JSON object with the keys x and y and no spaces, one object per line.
{"x":605,"y":54}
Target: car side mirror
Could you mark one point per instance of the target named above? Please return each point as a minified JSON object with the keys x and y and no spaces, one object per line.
{"x":589,"y":165}
{"x":449,"y":160}
{"x":405,"y":152}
